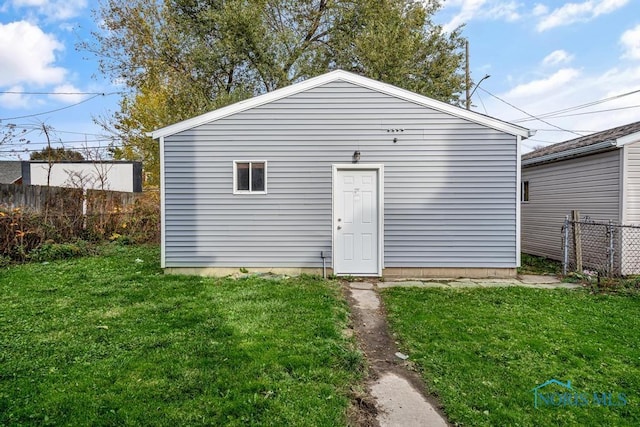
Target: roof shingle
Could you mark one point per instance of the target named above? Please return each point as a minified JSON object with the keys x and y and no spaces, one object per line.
{"x":10,"y":171}
{"x":583,"y":141}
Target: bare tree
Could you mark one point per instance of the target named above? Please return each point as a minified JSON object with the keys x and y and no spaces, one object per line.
{"x":11,"y":132}
{"x":101,"y":165}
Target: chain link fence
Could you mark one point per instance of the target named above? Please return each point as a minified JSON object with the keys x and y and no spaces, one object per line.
{"x":600,"y":248}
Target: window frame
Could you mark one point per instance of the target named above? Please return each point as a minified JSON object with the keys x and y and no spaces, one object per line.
{"x":524,"y":191}
{"x":235,"y":177}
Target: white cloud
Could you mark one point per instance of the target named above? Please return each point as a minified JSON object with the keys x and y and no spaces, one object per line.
{"x":27,"y":55}
{"x":557,"y":80}
{"x":14,"y":100}
{"x":544,"y":96}
{"x":57,"y":10}
{"x":40,"y":3}
{"x":630,"y":40}
{"x":481,"y":9}
{"x":540,"y":9}
{"x":571,"y":13}
{"x":506,"y":10}
{"x":67,"y":93}
{"x":557,"y":57}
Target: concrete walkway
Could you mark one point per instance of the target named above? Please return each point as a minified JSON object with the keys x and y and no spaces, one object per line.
{"x":526,"y":281}
{"x":400,"y":398}
{"x":399,"y":392}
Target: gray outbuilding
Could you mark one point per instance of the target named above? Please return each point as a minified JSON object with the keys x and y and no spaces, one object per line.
{"x":597,"y":175}
{"x":362,"y":176}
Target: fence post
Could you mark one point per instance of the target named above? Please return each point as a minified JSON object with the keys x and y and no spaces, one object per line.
{"x":577,"y":240}
{"x":565,"y":249}
{"x":611,"y":248}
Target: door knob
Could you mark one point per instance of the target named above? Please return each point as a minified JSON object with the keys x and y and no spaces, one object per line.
{"x":339,"y":227}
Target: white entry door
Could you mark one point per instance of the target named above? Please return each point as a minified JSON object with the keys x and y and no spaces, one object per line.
{"x":356,"y":220}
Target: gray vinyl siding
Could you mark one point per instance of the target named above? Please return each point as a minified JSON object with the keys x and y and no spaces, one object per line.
{"x":589,"y":184}
{"x":449,"y":184}
{"x":632,"y":184}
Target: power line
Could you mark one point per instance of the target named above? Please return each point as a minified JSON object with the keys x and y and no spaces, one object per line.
{"x":61,"y":141}
{"x":58,"y":109}
{"x":51,"y":111}
{"x":579,"y":107}
{"x":29,"y":150}
{"x":530,"y":140}
{"x":31,"y":127}
{"x":80,"y":133}
{"x":528,"y":114}
{"x":606,"y":110}
{"x":16,"y":92}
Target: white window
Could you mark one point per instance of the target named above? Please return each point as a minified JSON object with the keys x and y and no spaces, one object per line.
{"x":249,"y":177}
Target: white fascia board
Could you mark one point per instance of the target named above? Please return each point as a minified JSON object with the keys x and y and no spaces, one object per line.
{"x":351,"y":78}
{"x":518,"y":201}
{"x":628,"y":139}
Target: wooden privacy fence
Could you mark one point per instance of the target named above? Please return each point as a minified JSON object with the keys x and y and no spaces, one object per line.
{"x":37,"y":198}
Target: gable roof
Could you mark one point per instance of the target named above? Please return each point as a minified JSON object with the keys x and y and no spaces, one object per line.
{"x":340,"y":75}
{"x":10,"y":171}
{"x":596,"y":142}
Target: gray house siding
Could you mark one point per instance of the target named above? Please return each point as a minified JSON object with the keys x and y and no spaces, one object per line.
{"x":449,"y":184}
{"x":589,"y":184}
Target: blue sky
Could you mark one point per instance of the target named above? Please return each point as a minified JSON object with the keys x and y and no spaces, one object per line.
{"x":542,"y":56}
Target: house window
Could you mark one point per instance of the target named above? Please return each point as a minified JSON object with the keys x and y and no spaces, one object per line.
{"x":524,"y":191}
{"x":249,"y":177}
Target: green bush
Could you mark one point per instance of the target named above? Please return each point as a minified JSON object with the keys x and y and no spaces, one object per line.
{"x":28,"y":235}
{"x":5,"y":261}
{"x":50,"y":251}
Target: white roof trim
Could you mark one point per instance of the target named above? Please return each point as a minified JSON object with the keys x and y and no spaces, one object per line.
{"x":350,"y":78}
{"x":628,"y":139}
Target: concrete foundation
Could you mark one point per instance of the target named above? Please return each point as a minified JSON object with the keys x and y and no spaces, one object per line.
{"x":448,"y":272}
{"x":230,"y":271}
{"x":387,"y":273}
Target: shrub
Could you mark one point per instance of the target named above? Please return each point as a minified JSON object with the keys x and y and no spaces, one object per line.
{"x":138,"y":222}
{"x":64,"y":232}
{"x":50,"y":251}
{"x":20,"y":233}
{"x":4,"y":261}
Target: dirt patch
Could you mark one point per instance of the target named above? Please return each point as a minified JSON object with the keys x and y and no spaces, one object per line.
{"x":379,"y":348}
{"x":363,"y":411}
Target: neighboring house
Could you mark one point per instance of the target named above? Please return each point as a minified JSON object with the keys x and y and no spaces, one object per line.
{"x":369,"y":178}
{"x":597,"y":175}
{"x":101,"y":175}
{"x":10,"y":172}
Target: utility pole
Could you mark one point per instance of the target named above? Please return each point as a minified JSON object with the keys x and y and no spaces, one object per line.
{"x":467,"y":75}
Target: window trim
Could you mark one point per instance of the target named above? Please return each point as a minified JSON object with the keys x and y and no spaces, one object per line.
{"x":524,"y":192}
{"x":235,"y":177}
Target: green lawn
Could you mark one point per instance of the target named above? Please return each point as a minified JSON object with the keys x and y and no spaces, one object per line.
{"x":109,"y":340}
{"x":532,"y":264}
{"x":482,"y":351}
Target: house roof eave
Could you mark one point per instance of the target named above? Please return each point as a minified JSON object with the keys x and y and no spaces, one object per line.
{"x":348,"y":77}
{"x":572,"y":153}
{"x":628,"y":139}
